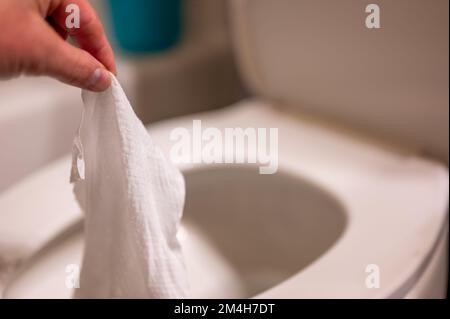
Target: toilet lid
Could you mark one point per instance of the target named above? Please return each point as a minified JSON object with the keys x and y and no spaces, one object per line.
{"x":321,"y":57}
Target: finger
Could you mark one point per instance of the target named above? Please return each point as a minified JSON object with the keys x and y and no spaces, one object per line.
{"x":62,"y":32}
{"x":69,"y":64}
{"x":90,"y":36}
{"x":77,"y":67}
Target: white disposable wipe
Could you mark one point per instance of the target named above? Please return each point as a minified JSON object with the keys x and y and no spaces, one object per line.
{"x":132,"y":198}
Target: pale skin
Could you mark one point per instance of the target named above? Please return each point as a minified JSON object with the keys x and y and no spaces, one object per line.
{"x":32,"y":42}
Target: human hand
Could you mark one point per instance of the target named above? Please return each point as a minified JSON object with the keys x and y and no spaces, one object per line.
{"x":32,"y":41}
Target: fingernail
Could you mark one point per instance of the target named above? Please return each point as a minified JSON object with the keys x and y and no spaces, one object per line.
{"x":100,"y":80}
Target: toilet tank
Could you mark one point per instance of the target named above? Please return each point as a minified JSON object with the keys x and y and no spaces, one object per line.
{"x":320,"y":57}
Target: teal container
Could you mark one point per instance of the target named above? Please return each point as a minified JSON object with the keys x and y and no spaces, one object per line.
{"x":146,"y":26}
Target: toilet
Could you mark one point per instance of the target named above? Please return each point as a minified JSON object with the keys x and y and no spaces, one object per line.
{"x":358,"y":207}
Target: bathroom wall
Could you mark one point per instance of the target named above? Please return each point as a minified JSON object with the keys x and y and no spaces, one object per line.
{"x":198,"y":74}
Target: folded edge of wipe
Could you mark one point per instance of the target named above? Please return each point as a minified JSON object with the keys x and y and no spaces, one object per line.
{"x":133,"y":201}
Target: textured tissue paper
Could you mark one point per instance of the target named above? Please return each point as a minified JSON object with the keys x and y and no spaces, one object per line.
{"x":133,"y":200}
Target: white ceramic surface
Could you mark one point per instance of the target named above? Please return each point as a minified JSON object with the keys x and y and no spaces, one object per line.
{"x":394,"y":205}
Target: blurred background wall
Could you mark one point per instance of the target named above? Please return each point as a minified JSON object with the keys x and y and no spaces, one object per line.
{"x":197,"y":73}
{"x":39,"y":116}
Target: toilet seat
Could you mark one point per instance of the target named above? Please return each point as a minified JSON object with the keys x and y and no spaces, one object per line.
{"x":396,"y":202}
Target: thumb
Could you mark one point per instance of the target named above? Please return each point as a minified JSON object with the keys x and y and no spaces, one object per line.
{"x":77,"y":67}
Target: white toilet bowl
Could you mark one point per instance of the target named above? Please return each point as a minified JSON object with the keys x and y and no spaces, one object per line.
{"x":343,"y":207}
{"x":337,"y":204}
